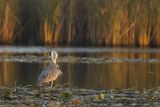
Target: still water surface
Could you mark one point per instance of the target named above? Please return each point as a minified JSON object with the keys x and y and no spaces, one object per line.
{"x":92,"y":68}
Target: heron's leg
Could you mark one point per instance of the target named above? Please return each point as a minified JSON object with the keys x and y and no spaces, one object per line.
{"x":51,"y":83}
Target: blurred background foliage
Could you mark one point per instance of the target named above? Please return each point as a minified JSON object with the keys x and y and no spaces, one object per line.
{"x":80,"y":22}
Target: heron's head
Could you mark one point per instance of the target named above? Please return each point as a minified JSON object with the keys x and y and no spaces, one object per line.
{"x":54,"y":56}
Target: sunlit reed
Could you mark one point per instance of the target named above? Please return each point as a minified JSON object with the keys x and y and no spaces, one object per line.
{"x":81,"y":22}
{"x":8,"y":20}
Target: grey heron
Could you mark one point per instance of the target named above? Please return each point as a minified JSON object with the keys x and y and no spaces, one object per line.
{"x":51,"y":72}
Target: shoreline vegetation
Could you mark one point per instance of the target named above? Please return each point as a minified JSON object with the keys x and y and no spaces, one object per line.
{"x":80,"y":22}
{"x":63,"y":96}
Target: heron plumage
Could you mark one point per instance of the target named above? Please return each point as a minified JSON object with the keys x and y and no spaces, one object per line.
{"x":51,"y":72}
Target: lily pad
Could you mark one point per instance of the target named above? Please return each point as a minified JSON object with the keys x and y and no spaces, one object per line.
{"x":66,"y":96}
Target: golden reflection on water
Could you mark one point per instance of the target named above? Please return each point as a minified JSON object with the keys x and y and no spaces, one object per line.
{"x":8,"y":73}
{"x":113,"y":75}
{"x":117,"y":75}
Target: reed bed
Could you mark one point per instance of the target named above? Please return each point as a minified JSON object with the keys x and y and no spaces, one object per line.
{"x":81,"y":22}
{"x":8,"y":20}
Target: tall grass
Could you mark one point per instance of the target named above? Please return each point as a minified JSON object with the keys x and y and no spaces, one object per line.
{"x":8,"y":20}
{"x":81,"y":22}
{"x":51,"y":21}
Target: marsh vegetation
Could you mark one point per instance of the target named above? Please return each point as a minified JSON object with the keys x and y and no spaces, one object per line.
{"x":61,"y":96}
{"x":80,"y":22}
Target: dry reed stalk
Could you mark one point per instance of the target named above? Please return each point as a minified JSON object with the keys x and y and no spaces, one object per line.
{"x":9,"y":21}
{"x":48,"y":33}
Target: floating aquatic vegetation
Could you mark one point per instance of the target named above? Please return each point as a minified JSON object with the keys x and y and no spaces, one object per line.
{"x":66,"y":96}
{"x":74,"y":59}
{"x":7,"y":95}
{"x":79,"y":55}
{"x":40,"y":96}
{"x":100,"y":97}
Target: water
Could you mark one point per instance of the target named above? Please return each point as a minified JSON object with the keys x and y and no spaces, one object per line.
{"x":91,"y":68}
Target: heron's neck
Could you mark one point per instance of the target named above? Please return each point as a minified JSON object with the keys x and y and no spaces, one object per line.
{"x":53,"y":61}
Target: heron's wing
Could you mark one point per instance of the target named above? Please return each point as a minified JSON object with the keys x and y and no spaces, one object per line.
{"x":50,"y":73}
{"x":59,"y":71}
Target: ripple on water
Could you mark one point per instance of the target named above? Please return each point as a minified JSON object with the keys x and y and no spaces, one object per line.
{"x":73,"y":59}
{"x":79,"y":55}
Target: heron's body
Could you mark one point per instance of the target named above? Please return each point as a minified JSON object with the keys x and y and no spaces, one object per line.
{"x":50,"y":73}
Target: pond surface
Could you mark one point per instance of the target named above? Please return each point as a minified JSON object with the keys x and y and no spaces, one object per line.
{"x":91,"y":68}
